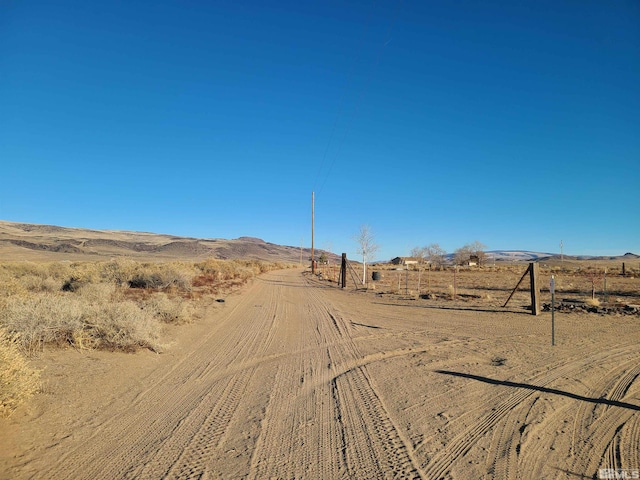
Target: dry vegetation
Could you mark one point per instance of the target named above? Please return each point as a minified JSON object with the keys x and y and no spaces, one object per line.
{"x":115,"y":305}
{"x":578,"y":282}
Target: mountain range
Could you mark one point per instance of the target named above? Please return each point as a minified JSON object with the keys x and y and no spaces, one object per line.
{"x":33,"y":242}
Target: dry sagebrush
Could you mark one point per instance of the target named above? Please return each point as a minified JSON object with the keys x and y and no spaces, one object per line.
{"x":91,"y":305}
{"x":18,"y":381}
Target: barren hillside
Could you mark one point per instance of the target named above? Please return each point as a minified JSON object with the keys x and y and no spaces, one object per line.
{"x":22,"y":241}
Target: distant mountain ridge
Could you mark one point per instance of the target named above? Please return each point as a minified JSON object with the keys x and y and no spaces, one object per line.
{"x":508,"y":256}
{"x":33,"y":242}
{"x":515,"y":255}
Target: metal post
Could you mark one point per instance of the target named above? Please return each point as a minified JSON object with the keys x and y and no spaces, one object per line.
{"x":406,"y":282}
{"x":455,"y":282}
{"x":553,"y":310}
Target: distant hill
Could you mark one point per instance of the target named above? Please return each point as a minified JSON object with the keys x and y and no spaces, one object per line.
{"x":510,"y":256}
{"x":23,"y":241}
{"x":515,"y":256}
{"x":26,"y":241}
{"x":526,"y":256}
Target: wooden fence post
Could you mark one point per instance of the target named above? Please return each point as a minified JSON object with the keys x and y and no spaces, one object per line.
{"x":534,"y":270}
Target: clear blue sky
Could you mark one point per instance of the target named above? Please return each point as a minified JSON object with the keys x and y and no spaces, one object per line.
{"x":513,"y":123}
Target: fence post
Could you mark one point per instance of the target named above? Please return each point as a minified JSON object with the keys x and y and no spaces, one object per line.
{"x":534,"y":270}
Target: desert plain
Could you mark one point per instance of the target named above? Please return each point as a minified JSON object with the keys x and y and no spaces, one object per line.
{"x":293,"y":377}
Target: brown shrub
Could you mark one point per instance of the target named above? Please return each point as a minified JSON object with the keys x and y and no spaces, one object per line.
{"x":18,"y":381}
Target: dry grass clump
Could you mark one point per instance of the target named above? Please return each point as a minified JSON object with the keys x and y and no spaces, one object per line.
{"x":95,"y":319}
{"x":162,"y":276}
{"x":18,"y":381}
{"x":592,"y":302}
{"x":224,"y":274}
{"x":169,"y":310}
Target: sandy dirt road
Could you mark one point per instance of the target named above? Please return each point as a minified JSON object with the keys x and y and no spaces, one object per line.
{"x":296,"y":379}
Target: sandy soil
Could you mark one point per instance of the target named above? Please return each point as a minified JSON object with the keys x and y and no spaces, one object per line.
{"x":296,"y":379}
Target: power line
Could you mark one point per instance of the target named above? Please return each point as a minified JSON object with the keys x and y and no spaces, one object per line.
{"x":361,"y":95}
{"x":343,"y":99}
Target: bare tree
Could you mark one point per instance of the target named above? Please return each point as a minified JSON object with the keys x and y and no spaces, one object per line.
{"x":464,"y":254}
{"x":478,"y":250}
{"x":366,"y":247}
{"x":419,"y":253}
{"x":461,"y":255}
{"x":435,"y":254}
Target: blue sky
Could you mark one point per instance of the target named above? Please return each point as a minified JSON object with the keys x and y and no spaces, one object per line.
{"x":512,"y":123}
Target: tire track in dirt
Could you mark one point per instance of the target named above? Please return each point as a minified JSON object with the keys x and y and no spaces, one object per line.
{"x":392,"y":449}
{"x":324,"y":395}
{"x":366,"y":423}
{"x":374,"y":446}
{"x":441,"y":463}
{"x":298,"y":423}
{"x":193,"y":444}
{"x":600,"y":432}
{"x":160,"y":422}
{"x":510,"y":457}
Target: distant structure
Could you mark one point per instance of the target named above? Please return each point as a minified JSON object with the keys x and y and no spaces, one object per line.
{"x":473,"y":261}
{"x":404,"y":261}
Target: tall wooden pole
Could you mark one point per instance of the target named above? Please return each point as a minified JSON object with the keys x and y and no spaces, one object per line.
{"x":313,"y":262}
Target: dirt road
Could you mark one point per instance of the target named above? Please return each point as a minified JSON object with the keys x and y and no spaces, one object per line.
{"x":295,"y":379}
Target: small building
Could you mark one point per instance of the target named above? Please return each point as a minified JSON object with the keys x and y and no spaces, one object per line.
{"x":404,"y":261}
{"x":473,"y":261}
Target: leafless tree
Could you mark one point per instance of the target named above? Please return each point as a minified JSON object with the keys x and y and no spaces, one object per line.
{"x":435,"y":254}
{"x":420,"y":253}
{"x":463,"y":254}
{"x":478,"y":249}
{"x":366,"y":247}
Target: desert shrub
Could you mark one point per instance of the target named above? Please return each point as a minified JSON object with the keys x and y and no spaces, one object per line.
{"x":18,"y":381}
{"x":149,"y":280}
{"x":160,"y":276}
{"x":117,"y":271}
{"x":125,"y":326}
{"x":36,"y":283}
{"x":91,"y":320}
{"x":592,"y":302}
{"x":169,"y":310}
{"x":42,"y":319}
{"x":99,"y":293}
{"x":72,"y":284}
{"x":10,"y":287}
{"x":218,"y":269}
{"x":212,"y":270}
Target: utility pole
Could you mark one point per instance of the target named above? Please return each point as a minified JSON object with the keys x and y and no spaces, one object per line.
{"x":561,"y":251}
{"x":313,"y":260}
